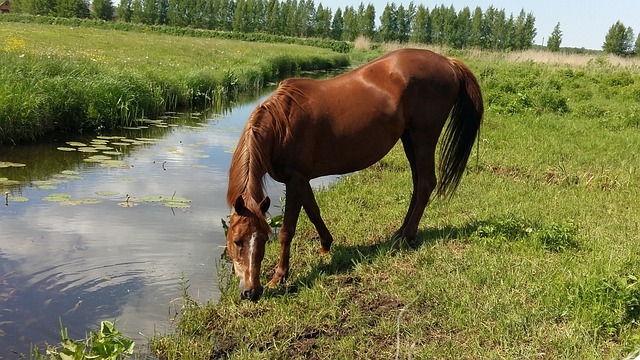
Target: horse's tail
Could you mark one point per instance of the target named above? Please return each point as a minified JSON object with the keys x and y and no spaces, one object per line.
{"x":462,"y":130}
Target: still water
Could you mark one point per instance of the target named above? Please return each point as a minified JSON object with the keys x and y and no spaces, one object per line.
{"x":105,"y":227}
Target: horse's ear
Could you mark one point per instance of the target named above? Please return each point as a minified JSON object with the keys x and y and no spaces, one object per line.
{"x":239,"y":205}
{"x":264,"y":204}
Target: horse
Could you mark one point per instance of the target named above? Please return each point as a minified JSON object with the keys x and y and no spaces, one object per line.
{"x":310,"y":128}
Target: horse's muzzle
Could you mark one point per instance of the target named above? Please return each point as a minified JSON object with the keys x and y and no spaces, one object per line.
{"x":252,"y":294}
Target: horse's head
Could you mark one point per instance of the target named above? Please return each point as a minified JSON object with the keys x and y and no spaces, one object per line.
{"x":246,"y":239}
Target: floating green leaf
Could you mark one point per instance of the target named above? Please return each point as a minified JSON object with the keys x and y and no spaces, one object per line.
{"x":80,"y":202}
{"x":114,"y":153}
{"x":179,"y":199}
{"x":18,"y":199}
{"x":70,"y":172}
{"x":6,"y":164}
{"x":175,"y":204}
{"x":57,"y":197}
{"x":88,"y":149}
{"x":62,"y":148}
{"x":47,"y":187}
{"x":6,"y":181}
{"x":75,"y":143}
{"x":107,"y":193}
{"x":152,"y":199}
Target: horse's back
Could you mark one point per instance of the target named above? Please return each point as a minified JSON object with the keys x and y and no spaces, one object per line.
{"x":358,"y":116}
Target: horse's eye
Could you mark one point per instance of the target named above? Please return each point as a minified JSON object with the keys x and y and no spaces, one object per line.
{"x":238,"y":242}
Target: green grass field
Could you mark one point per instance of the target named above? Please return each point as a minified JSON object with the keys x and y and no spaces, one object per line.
{"x":536,"y":256}
{"x":64,"y":78}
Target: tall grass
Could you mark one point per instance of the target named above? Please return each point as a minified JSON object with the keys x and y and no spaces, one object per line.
{"x":56,"y":78}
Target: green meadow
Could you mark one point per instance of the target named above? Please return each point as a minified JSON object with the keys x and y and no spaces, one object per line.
{"x":536,"y":256}
{"x":57,"y":78}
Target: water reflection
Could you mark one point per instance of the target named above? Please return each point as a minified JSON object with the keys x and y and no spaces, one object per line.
{"x":84,"y":263}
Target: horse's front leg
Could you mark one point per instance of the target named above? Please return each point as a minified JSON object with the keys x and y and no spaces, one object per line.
{"x":293,"y":204}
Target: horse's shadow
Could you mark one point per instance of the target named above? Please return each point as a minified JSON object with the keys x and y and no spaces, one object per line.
{"x":344,"y":258}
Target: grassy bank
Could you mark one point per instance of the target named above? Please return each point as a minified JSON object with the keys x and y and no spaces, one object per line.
{"x":536,"y":256}
{"x":63,"y":78}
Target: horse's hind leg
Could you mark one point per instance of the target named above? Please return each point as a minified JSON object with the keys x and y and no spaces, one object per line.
{"x":424,"y":180}
{"x":313,"y":212}
{"x":409,"y":151}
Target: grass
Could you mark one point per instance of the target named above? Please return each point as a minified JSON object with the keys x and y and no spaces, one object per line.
{"x":536,"y":256}
{"x":62,"y":78}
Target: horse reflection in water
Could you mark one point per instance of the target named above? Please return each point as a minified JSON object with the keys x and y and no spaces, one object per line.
{"x":311,"y":128}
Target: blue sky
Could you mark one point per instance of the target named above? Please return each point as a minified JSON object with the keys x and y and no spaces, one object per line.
{"x":584,"y":23}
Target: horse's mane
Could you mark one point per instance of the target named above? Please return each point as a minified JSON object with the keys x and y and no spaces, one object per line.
{"x":267,"y":126}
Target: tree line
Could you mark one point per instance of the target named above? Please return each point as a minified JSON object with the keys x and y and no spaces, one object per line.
{"x":490,"y":29}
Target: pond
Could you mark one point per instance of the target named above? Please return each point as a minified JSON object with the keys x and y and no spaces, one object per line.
{"x":108,"y":227}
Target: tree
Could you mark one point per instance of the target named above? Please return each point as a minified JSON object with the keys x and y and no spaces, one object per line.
{"x":637,"y":45}
{"x":389,"y":23}
{"x":337,"y":25}
{"x":102,"y":9}
{"x":420,"y":26}
{"x":553,"y":44}
{"x":71,"y":9}
{"x":124,"y":10}
{"x":618,"y":40}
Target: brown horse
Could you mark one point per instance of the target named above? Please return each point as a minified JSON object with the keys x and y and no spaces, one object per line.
{"x":310,"y":128}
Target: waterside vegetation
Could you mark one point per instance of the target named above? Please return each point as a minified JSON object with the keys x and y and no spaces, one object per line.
{"x":62,"y":78}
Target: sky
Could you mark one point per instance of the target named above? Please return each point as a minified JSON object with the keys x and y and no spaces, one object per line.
{"x":584,"y":23}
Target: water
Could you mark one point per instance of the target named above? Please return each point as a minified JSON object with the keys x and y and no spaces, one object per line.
{"x":121,"y":258}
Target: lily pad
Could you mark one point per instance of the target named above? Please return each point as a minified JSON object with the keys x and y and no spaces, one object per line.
{"x":57,"y":197}
{"x":6,"y":164}
{"x":152,"y":199}
{"x":80,"y":202}
{"x":98,"y":157}
{"x":175,"y":204}
{"x":63,"y":148}
{"x":49,"y":182}
{"x":179,"y":199}
{"x":112,"y":153}
{"x":18,"y":199}
{"x":75,"y":143}
{"x":6,"y":181}
{"x":107,"y":193}
{"x":88,"y":149}
{"x":196,"y":166}
{"x":70,"y":172}
{"x":120,"y":143}
{"x":102,"y":137}
{"x":126,"y":179}
{"x":69,"y":177}
{"x":47,"y":187}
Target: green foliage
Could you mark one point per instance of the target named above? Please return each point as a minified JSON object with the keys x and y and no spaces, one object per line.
{"x":553,"y":237}
{"x":107,"y":343}
{"x":619,"y":40}
{"x":553,"y":44}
